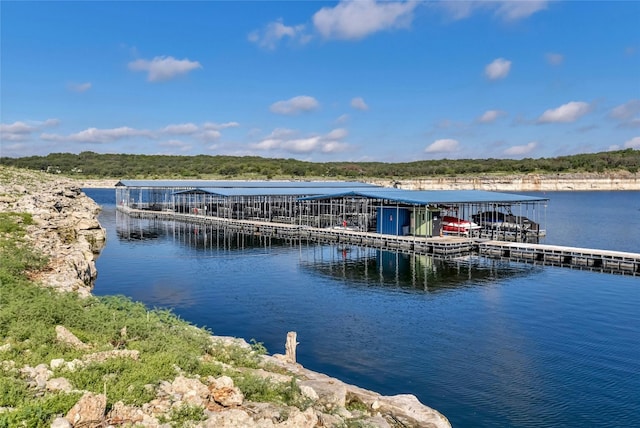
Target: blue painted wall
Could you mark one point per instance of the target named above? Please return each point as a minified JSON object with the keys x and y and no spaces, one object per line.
{"x":391,"y":220}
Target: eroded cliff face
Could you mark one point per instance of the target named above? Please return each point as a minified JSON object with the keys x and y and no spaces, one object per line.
{"x":66,"y":228}
{"x":521,"y":183}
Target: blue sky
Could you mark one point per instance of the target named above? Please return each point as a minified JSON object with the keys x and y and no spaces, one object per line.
{"x":361,"y":80}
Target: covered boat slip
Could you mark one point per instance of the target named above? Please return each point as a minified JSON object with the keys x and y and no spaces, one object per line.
{"x":352,"y":206}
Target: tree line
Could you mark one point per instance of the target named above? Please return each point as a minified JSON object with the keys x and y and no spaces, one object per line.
{"x":95,"y":165}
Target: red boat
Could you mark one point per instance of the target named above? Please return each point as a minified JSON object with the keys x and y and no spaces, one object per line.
{"x":457,"y":225}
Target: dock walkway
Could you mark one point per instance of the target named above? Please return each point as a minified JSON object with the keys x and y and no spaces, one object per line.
{"x":444,"y":247}
{"x":557,"y":255}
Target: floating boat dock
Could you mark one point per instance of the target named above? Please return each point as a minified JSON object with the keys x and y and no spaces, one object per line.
{"x":445,"y":247}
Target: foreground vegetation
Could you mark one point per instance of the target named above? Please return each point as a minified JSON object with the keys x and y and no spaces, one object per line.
{"x":168,"y":346}
{"x":93,"y":165}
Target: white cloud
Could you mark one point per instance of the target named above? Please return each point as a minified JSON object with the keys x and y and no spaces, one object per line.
{"x":21,"y":131}
{"x":334,"y":147}
{"x":359,"y":104}
{"x":631,"y":123}
{"x":301,"y":145}
{"x":521,"y":150}
{"x":219,"y":126}
{"x":294,"y":105}
{"x":337,"y":134}
{"x":569,"y":112}
{"x":497,"y":69}
{"x":79,"y":87}
{"x":512,"y":10}
{"x":446,"y":145}
{"x":626,"y":112}
{"x":287,"y":141}
{"x":275,"y":31}
{"x":351,"y":20}
{"x":48,"y":123}
{"x":633,"y":143}
{"x":208,"y":132}
{"x":209,"y":135}
{"x":18,"y":128}
{"x":95,"y":135}
{"x":163,"y":68}
{"x":554,"y":58}
{"x":491,"y":116}
{"x":180,"y":129}
{"x":342,"y":119}
{"x":506,"y":10}
{"x":176,"y":145}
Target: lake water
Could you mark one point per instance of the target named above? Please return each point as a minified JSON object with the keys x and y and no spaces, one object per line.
{"x":488,"y":343}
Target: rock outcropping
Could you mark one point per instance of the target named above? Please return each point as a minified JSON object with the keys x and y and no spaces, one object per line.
{"x":66,"y":228}
{"x":499,"y":183}
{"x":521,"y":182}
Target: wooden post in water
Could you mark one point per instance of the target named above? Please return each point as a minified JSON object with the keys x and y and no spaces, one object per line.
{"x":290,"y":346}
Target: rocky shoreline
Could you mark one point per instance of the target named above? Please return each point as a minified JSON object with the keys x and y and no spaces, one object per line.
{"x":522,"y":183}
{"x":499,"y":183}
{"x":67,"y":231}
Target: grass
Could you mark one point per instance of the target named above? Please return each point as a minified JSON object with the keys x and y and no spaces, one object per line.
{"x":184,"y":415}
{"x":29,"y":314}
{"x":167,"y":345}
{"x":259,"y":389}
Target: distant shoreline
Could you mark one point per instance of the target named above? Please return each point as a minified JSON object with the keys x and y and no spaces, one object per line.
{"x":506,"y":183}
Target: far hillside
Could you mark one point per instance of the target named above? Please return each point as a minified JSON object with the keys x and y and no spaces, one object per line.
{"x":94,"y":165}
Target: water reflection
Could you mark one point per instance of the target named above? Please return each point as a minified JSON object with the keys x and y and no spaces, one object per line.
{"x":198,"y":237}
{"x":357,"y":266}
{"x":371,"y":267}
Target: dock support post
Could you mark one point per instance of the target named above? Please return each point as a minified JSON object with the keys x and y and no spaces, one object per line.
{"x":290,"y":346}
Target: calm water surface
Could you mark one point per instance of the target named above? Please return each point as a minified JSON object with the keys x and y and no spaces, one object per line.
{"x":487,"y":343}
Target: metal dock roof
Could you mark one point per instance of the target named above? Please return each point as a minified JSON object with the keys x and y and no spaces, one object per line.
{"x":260,"y":191}
{"x":264,"y":184}
{"x":425,"y":197}
{"x":316,"y":190}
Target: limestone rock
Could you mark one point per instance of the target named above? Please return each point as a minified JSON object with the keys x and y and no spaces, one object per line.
{"x":330,"y":420}
{"x":59,"y":384}
{"x":331,"y":393}
{"x":220,"y":382}
{"x":37,"y":376}
{"x":88,"y":411}
{"x":186,"y":390}
{"x":107,"y":355}
{"x":376,"y":421}
{"x":121,"y":414}
{"x":230,"y":341}
{"x":227,"y":397}
{"x":65,"y":336}
{"x":60,"y":423}
{"x":66,"y":228}
{"x":224,"y":392}
{"x":234,"y":418}
{"x":411,"y":412}
{"x":309,"y":392}
{"x":271,"y":376}
{"x":298,"y":419}
{"x":56,"y":363}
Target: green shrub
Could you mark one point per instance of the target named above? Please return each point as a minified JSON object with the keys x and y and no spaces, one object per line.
{"x":256,"y":388}
{"x":13,"y":391}
{"x":181,"y":416}
{"x":39,"y":412}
